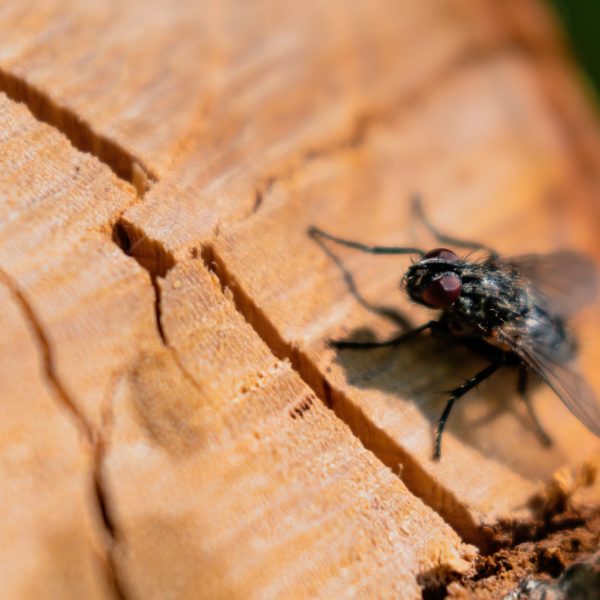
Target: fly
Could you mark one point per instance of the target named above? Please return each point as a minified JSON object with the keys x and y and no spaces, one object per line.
{"x":514,"y":310}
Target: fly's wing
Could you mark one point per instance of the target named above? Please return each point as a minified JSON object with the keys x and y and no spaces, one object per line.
{"x":564,"y":280}
{"x":535,"y":344}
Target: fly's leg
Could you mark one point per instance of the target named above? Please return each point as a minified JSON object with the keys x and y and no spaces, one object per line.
{"x":315,"y":232}
{"x":455,"y":394}
{"x":522,"y":389}
{"x":407,"y":335}
{"x":417,"y":208}
{"x":385,"y":311}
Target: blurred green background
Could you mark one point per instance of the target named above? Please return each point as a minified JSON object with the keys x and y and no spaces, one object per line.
{"x":581,"y":20}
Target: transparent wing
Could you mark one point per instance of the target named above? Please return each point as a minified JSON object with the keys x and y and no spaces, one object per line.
{"x":565,"y":280}
{"x":561,"y":373}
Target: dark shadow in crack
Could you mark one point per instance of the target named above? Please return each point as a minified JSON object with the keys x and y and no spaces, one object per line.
{"x":78,"y":131}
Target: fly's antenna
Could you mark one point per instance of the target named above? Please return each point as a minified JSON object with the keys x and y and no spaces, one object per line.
{"x":315,"y":233}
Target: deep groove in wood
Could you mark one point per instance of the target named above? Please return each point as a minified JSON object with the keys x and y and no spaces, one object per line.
{"x":78,"y":131}
{"x":413,"y":474}
{"x":105,"y":510}
{"x":507,"y":534}
{"x":157,"y":262}
{"x":150,"y":254}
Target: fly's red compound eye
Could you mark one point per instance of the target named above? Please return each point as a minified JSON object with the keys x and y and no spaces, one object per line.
{"x":442,"y":253}
{"x":443,"y":291}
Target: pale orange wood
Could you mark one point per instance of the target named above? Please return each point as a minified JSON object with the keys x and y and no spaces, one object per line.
{"x":52,"y":541}
{"x":255,"y":121}
{"x":205,"y":468}
{"x":231,"y":479}
{"x":91,"y":310}
{"x":498,"y":171}
{"x":182,"y":90}
{"x":56,"y":214}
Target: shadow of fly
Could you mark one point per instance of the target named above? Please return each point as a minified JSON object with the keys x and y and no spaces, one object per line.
{"x":512,"y":310}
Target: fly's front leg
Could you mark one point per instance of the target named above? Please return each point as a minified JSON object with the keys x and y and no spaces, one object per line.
{"x":385,"y":311}
{"x":522,"y":389}
{"x":316,"y":233}
{"x":417,"y":208}
{"x":405,"y":337}
{"x":455,"y":394}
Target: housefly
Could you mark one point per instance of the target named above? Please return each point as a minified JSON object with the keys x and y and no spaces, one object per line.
{"x":514,"y":310}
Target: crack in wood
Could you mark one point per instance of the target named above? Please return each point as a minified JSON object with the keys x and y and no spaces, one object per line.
{"x":157,"y":263}
{"x":365,"y":121}
{"x":44,"y":346}
{"x":92,"y":438}
{"x":413,"y":475}
{"x":489,"y":540}
{"x":556,"y":518}
{"x":151,"y":256}
{"x":106,"y":511}
{"x":158,"y":307}
{"x":78,"y":131}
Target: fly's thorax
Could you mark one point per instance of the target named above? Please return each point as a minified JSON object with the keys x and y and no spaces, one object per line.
{"x":477,"y":291}
{"x":489,"y":298}
{"x":476,"y":297}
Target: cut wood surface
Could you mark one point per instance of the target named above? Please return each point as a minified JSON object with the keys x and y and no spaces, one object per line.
{"x":274,"y":496}
{"x":203,"y":82}
{"x":208,"y":468}
{"x":492,"y":459}
{"x":174,"y":424}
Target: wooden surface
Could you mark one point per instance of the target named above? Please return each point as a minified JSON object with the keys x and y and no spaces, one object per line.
{"x":201,"y":458}
{"x":166,"y":384}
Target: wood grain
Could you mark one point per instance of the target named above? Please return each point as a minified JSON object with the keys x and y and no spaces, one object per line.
{"x":45,"y":466}
{"x":165,"y":89}
{"x":194,"y":462}
{"x":231,"y":479}
{"x":94,"y":305}
{"x":500,"y":172}
{"x":164,"y":361}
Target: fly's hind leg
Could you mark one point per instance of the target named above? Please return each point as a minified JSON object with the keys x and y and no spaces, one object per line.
{"x":455,"y":394}
{"x":522,"y":389}
{"x":417,"y":208}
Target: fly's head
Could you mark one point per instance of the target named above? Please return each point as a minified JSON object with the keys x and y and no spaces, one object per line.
{"x":435,"y":280}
